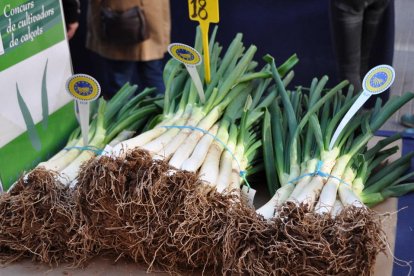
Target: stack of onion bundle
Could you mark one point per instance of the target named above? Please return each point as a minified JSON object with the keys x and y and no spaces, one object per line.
{"x":316,"y":221}
{"x":40,"y":218}
{"x":166,"y":202}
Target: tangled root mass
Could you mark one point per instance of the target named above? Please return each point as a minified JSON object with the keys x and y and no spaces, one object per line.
{"x":144,"y":210}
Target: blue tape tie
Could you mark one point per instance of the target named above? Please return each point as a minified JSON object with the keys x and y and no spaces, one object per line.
{"x":319,"y":173}
{"x":96,"y":150}
{"x":242,"y":173}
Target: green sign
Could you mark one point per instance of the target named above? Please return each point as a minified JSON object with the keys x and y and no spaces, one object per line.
{"x":35,"y":113}
{"x":27,"y":28}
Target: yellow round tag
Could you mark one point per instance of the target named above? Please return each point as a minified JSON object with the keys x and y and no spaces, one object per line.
{"x":184,"y":54}
{"x":379,"y":79}
{"x":83,"y":87}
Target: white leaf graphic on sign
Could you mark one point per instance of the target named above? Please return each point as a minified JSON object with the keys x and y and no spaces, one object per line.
{"x":1,"y":46}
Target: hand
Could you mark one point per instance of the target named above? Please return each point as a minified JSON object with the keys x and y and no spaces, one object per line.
{"x":71,"y":29}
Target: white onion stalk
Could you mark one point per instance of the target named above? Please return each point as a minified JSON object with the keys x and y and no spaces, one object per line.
{"x":72,"y":141}
{"x":68,"y":174}
{"x":184,"y":151}
{"x":287,"y":190}
{"x":245,"y":143}
{"x":143,"y":138}
{"x":195,"y":161}
{"x":177,"y":140}
{"x":242,"y":144}
{"x":310,"y":193}
{"x":122,"y":136}
{"x":69,"y":153}
{"x":226,"y":162}
{"x":294,"y":171}
{"x":65,"y":156}
{"x":348,"y":197}
{"x":62,"y":152}
{"x":160,"y":142}
{"x":238,"y":166}
{"x":337,"y":208}
{"x":305,"y":180}
{"x":281,"y":195}
{"x":246,"y":193}
{"x":328,"y":194}
{"x":210,"y":169}
{"x":226,"y":166}
{"x":358,"y":185}
{"x":234,"y":187}
{"x":59,"y":163}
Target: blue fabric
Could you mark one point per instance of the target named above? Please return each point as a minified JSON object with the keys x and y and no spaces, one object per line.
{"x":145,"y":74}
{"x":386,"y":133}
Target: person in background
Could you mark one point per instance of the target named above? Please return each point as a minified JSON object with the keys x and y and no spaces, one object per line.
{"x":128,"y":61}
{"x":363,"y":36}
{"x":71,"y":9}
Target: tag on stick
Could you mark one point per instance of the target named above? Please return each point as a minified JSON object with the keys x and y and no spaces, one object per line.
{"x":84,"y":89}
{"x":248,"y":195}
{"x":376,"y":81}
{"x":190,"y":58}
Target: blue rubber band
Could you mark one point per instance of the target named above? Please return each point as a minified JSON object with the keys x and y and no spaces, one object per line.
{"x":96,"y":150}
{"x":242,"y":173}
{"x":319,"y":173}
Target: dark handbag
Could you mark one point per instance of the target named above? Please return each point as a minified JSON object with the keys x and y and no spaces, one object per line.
{"x":128,"y":27}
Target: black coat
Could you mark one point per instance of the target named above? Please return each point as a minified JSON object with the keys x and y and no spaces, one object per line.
{"x":71,"y":9}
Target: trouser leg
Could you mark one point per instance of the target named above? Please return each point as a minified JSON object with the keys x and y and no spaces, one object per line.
{"x":372,"y":18}
{"x":150,"y":75}
{"x":117,"y":73}
{"x":347,"y":24}
{"x":372,"y":29}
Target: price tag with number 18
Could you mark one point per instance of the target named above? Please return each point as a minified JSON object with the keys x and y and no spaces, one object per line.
{"x":205,"y":12}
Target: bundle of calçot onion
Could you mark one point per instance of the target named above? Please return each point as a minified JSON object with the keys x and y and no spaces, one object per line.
{"x":316,"y":223}
{"x":168,"y":202}
{"x":40,"y":218}
{"x":115,"y":120}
